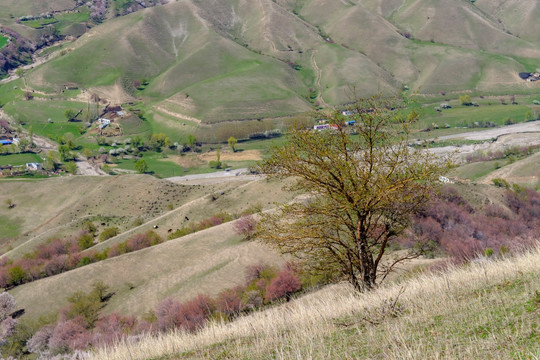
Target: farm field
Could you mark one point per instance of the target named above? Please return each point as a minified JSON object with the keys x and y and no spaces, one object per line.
{"x":4,"y":40}
{"x":19,"y":159}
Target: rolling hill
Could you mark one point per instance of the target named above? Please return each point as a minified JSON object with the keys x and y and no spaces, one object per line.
{"x":219,"y":67}
{"x":253,"y":59}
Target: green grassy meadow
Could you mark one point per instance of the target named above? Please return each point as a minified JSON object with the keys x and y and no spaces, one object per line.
{"x":37,"y":113}
{"x":4,"y":40}
{"x":39,"y":23}
{"x":19,"y":159}
{"x":467,"y":116}
{"x":10,"y":228}
{"x":477,"y":170}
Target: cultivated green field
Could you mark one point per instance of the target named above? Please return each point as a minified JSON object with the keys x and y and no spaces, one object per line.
{"x":37,"y":113}
{"x":19,"y":159}
{"x":3,"y":41}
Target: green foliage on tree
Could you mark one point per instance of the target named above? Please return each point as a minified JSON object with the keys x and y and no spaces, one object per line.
{"x":89,"y":227}
{"x":16,"y":275}
{"x":141,"y":166}
{"x":85,"y":241}
{"x":158,"y":141}
{"x":70,"y":114}
{"x":65,"y":153}
{"x":232,"y":143}
{"x":137,"y":142}
{"x":465,"y":100}
{"x":10,"y":204}
{"x":71,"y":167}
{"x":191,"y":140}
{"x":88,"y":153}
{"x":108,"y":233}
{"x":50,"y":162}
{"x":88,"y":305}
{"x":216,"y":164}
{"x":31,"y":135}
{"x":362,"y":190}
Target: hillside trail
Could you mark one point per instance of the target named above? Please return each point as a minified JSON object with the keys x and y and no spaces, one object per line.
{"x":320,"y":99}
{"x":84,"y":167}
{"x":36,"y":61}
{"x":215,"y":177}
{"x":178,"y":115}
{"x":507,"y":172}
{"x":166,"y":214}
{"x":59,"y":227}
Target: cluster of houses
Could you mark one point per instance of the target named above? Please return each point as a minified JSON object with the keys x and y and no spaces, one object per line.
{"x":110,"y":115}
{"x":11,"y":170}
{"x":320,"y":127}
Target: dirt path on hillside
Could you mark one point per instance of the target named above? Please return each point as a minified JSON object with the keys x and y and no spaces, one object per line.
{"x":36,"y":61}
{"x":177,"y":115}
{"x":508,"y":172}
{"x":526,"y":127}
{"x":320,"y":99}
{"x":84,"y":167}
{"x":216,"y":177}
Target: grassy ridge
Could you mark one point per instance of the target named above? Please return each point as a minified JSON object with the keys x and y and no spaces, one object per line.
{"x":486,"y":310}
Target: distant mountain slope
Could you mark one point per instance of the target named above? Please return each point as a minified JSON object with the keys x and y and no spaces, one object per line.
{"x":518,"y":17}
{"x":239,"y":59}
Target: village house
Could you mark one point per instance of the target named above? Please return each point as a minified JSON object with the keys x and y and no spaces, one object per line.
{"x":103,"y":123}
{"x":33,"y":166}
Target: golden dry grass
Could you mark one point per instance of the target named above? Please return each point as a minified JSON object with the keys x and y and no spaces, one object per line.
{"x":525,"y":171}
{"x":204,"y":262}
{"x":59,"y":206}
{"x":486,"y":310}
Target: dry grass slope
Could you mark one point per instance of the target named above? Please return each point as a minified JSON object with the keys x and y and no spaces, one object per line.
{"x":204,"y":262}
{"x":59,"y":206}
{"x":487,"y":310}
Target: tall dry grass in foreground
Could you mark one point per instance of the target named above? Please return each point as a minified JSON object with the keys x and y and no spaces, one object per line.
{"x":488,"y":310}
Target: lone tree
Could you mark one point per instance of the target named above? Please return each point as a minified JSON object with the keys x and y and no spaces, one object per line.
{"x":363,"y":183}
{"x":141,"y":166}
{"x":232,"y":143}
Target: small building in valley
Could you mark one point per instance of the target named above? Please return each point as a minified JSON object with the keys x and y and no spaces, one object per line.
{"x":34,"y":166}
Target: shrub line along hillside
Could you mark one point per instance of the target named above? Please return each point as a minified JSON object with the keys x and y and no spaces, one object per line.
{"x":58,"y":256}
{"x":486,"y":309}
